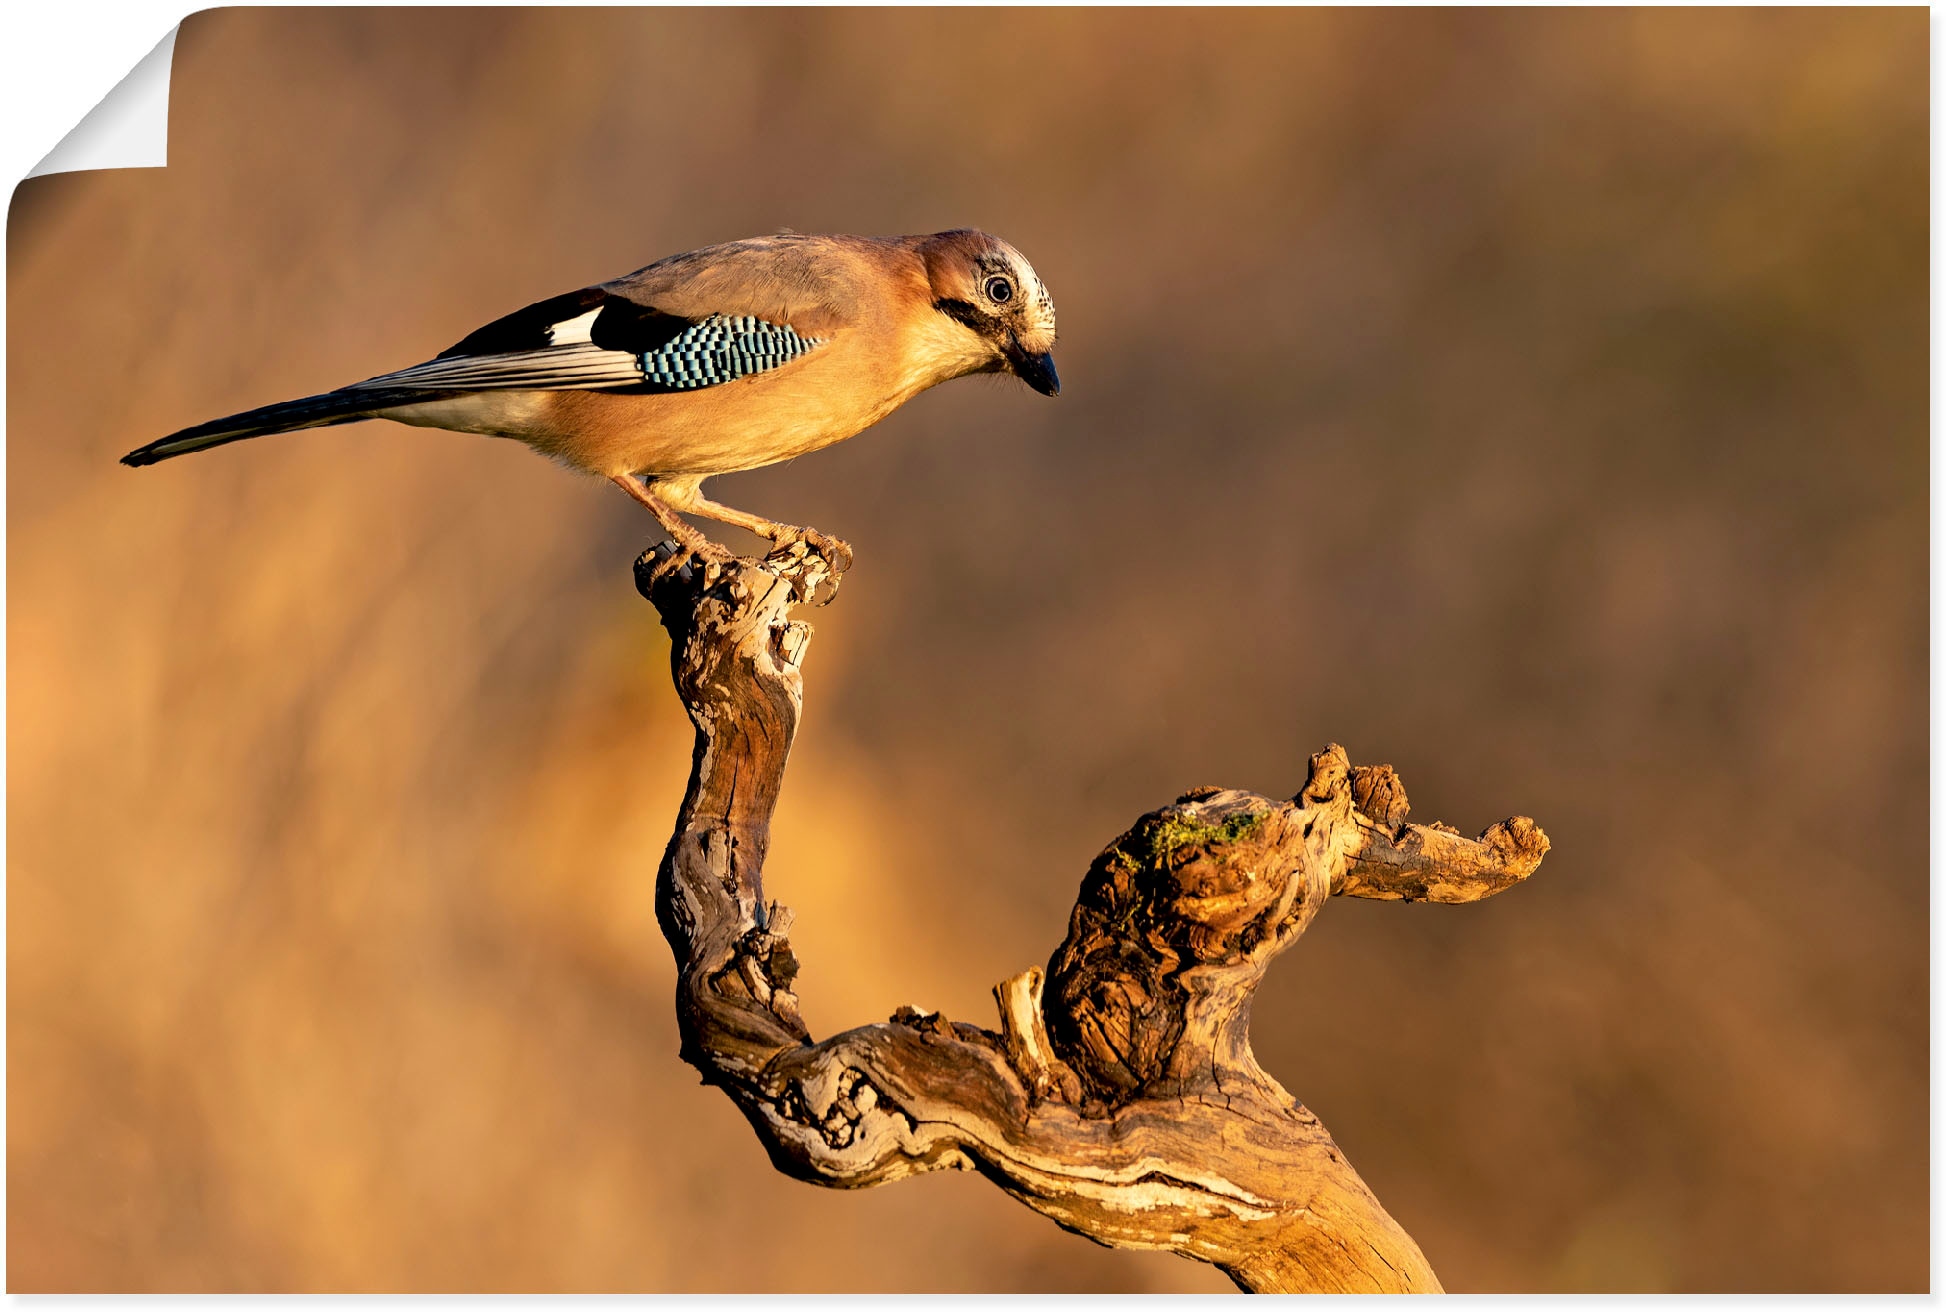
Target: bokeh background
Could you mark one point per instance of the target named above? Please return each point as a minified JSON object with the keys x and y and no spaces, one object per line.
{"x":1534,"y":400}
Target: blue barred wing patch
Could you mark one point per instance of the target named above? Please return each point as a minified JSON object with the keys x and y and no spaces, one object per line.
{"x":722,"y":348}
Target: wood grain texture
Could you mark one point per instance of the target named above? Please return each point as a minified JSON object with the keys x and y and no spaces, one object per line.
{"x":1119,"y":1096}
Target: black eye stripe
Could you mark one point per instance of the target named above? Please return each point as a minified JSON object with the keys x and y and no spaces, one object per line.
{"x":967,"y":313}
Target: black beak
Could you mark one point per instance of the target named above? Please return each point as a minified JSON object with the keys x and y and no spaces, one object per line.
{"x":1037,"y":371}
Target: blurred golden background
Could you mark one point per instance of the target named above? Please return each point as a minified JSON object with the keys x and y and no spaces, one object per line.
{"x":1534,"y":400}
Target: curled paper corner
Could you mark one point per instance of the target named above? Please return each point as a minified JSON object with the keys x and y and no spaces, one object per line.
{"x":129,"y":129}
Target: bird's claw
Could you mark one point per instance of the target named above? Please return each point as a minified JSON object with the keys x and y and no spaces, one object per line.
{"x":813,"y":562}
{"x":702,"y":558}
{"x":835,"y":551}
{"x":810,"y":561}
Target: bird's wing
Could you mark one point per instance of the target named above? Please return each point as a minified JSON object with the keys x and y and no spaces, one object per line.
{"x":692,"y":321}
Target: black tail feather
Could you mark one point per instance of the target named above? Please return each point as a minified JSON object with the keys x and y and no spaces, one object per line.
{"x":340,"y":407}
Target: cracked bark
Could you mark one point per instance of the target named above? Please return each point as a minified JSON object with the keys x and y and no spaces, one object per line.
{"x":1119,"y":1097}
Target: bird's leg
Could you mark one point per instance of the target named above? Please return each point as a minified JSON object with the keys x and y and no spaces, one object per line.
{"x":688,"y":541}
{"x":835,"y":550}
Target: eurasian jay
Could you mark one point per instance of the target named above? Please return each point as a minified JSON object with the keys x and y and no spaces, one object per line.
{"x":722,"y":359}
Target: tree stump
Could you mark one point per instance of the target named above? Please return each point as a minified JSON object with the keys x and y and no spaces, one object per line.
{"x":1119,"y":1097}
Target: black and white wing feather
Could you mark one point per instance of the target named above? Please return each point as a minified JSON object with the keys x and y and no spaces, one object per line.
{"x":609,"y":350}
{"x":721,"y":349}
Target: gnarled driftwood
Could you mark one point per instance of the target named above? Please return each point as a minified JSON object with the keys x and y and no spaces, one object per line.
{"x":1119,"y":1096}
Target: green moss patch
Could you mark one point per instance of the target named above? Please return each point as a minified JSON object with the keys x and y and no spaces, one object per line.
{"x":1177,"y":830}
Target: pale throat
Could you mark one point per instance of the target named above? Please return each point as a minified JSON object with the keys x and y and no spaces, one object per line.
{"x":940,"y":349}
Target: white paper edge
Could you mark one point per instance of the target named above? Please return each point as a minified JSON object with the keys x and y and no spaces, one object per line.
{"x":129,"y":129}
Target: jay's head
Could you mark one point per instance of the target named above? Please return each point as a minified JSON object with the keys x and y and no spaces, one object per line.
{"x":988,"y":289}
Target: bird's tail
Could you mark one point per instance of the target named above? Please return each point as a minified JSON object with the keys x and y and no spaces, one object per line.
{"x":340,"y":407}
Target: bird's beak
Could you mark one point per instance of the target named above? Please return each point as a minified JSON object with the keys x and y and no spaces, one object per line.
{"x":1037,"y":371}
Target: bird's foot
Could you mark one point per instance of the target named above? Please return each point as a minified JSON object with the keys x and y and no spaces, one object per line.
{"x":836,"y":551}
{"x":688,"y":547}
{"x":801,"y":564}
{"x":703,"y":558}
{"x":812,"y":561}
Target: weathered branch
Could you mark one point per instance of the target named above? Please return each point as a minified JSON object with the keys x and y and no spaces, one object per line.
{"x":1119,"y":1096}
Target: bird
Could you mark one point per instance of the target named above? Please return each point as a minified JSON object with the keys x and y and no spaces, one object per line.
{"x":717,"y":360}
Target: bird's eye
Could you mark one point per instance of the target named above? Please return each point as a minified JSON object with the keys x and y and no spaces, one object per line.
{"x":999,"y":290}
